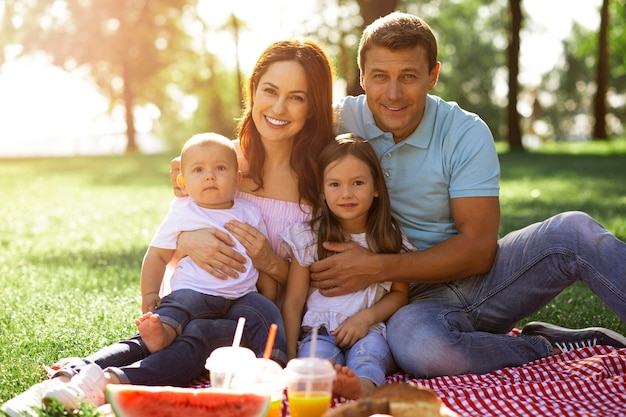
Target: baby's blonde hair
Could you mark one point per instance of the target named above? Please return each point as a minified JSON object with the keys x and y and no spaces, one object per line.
{"x":208,"y":138}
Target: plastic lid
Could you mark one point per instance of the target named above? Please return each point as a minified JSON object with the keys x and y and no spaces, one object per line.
{"x":314,"y":367}
{"x":229,"y":359}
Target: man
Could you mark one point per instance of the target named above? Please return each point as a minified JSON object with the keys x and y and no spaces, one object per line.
{"x":468,"y":288}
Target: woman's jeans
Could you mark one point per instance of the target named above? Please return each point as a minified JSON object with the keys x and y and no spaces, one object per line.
{"x":183,"y":360}
{"x":369,"y":357}
{"x":459,"y":327}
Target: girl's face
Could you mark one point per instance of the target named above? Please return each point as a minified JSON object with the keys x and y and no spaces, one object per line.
{"x":349,"y":191}
{"x":281,"y":102}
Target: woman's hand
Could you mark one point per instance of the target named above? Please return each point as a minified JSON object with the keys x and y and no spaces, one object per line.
{"x":213,"y":251}
{"x":259,"y":250}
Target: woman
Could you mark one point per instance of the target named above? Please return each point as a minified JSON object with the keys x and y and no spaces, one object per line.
{"x":287,"y":121}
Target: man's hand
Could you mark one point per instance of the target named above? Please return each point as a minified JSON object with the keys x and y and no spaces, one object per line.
{"x":352,"y":268}
{"x":213,"y":251}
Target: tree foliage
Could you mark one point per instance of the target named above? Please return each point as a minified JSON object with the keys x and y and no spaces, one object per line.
{"x":130,"y":47}
{"x":472,"y":37}
{"x":573,"y":84}
{"x":154,"y":53}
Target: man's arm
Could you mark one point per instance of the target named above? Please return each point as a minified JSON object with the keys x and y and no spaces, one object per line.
{"x":471,"y":251}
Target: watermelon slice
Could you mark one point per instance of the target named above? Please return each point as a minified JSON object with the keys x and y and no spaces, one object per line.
{"x":144,"y":401}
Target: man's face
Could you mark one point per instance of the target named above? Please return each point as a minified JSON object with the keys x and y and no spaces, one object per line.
{"x":396,"y":84}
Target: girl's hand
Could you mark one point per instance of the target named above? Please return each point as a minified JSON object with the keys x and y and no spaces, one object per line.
{"x":350,"y":331}
{"x":213,"y":251}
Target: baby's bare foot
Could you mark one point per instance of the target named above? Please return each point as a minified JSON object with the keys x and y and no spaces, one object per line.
{"x":347,"y":384}
{"x":154,"y":333}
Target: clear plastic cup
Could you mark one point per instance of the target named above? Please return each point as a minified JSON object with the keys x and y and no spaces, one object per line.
{"x":309,"y":386}
{"x":227,"y":363}
{"x":266,"y":377}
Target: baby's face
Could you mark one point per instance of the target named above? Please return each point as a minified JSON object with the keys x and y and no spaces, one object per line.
{"x":210,"y":175}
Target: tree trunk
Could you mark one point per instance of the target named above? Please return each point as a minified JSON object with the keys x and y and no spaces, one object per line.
{"x":240,"y":86}
{"x":513,"y":118}
{"x":370,"y":11}
{"x":131,"y":145}
{"x":602,"y":77}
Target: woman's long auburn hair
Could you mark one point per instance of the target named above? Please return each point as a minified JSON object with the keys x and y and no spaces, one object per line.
{"x":383,"y":234}
{"x":318,"y":129}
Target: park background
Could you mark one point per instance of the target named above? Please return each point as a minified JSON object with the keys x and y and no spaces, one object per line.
{"x":81,"y":77}
{"x":79,"y":205}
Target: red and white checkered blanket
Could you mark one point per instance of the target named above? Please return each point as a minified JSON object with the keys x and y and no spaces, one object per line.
{"x":581,"y":383}
{"x":584,"y":382}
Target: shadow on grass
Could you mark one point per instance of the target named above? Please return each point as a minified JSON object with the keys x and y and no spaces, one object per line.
{"x":517,"y":165}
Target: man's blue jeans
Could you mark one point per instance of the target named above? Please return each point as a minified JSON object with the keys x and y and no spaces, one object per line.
{"x":459,"y":327}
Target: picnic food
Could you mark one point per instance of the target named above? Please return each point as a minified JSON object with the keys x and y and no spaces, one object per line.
{"x":144,"y":401}
{"x":398,"y":400}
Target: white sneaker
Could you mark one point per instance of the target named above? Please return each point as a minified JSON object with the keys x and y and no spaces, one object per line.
{"x":88,"y":385}
{"x":28,"y":403}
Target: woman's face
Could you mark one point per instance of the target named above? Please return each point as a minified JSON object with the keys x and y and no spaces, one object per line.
{"x":281,"y":102}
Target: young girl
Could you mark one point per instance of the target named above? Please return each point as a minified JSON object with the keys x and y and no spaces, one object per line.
{"x":351,"y":331}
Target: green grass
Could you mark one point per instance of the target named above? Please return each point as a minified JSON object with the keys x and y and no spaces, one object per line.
{"x":73,"y":232}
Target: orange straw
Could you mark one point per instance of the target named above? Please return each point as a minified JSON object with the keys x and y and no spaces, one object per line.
{"x":269,"y":345}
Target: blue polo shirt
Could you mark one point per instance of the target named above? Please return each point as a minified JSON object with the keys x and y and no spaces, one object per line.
{"x":451,"y":154}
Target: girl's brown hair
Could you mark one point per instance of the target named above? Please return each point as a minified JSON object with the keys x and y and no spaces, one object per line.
{"x":318,"y":129}
{"x":382,"y":233}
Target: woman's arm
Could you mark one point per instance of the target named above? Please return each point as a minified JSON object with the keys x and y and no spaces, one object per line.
{"x":357,"y":326}
{"x":295,"y":297}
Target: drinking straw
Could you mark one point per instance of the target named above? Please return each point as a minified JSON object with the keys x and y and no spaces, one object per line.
{"x":239,"y":332}
{"x":269,"y":345}
{"x":309,"y":383}
{"x":236,"y":342}
{"x":313,"y":342}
